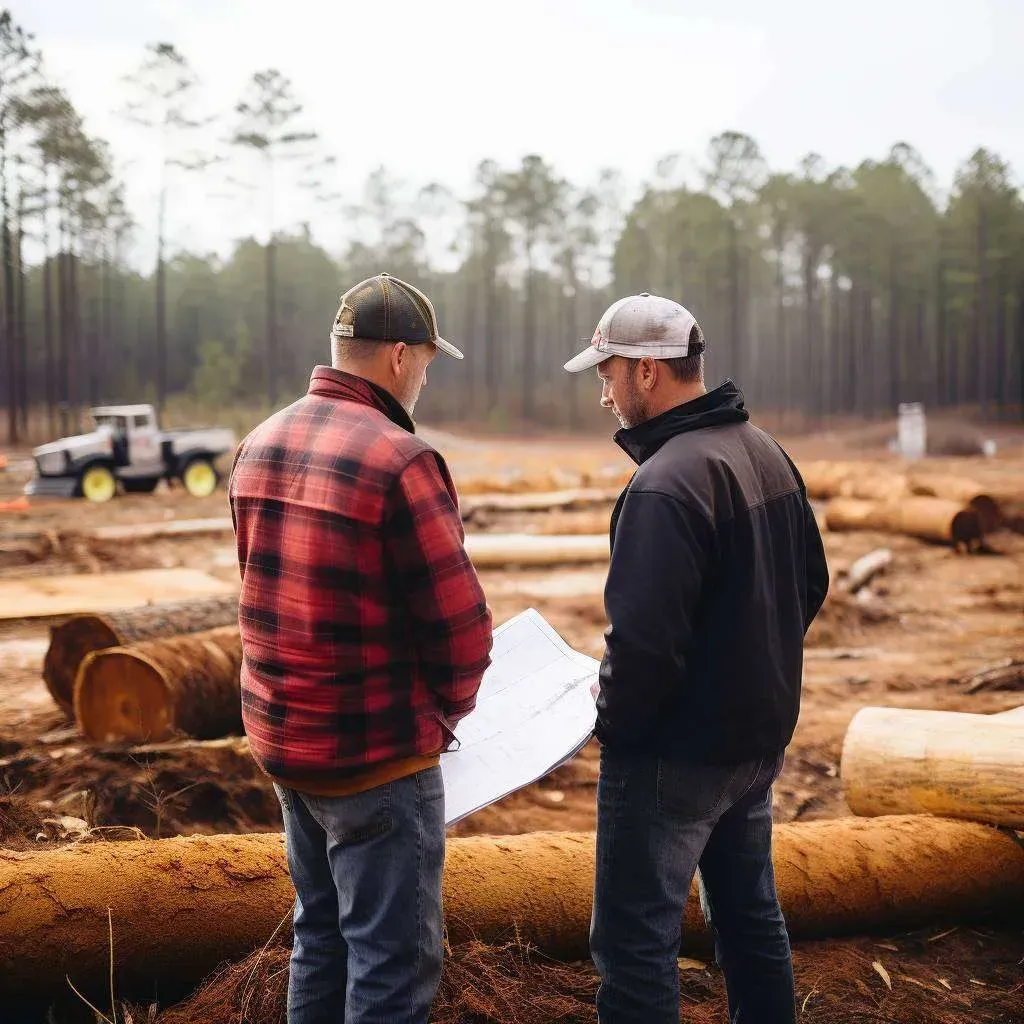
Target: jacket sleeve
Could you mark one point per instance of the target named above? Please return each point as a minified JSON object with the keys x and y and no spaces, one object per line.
{"x":816,"y":564}
{"x":659,"y":556}
{"x":451,"y":622}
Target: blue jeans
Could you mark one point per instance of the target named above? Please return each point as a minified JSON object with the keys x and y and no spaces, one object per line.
{"x":657,"y":821}
{"x":368,"y":927}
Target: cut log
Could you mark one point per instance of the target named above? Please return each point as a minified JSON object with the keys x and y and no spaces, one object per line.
{"x":157,"y":689}
{"x":875,"y":487}
{"x":865,"y":569}
{"x":946,"y":763}
{"x":82,"y":634}
{"x":963,"y":490}
{"x":933,"y":519}
{"x":540,"y":502}
{"x":58,"y":596}
{"x":519,"y":483}
{"x":181,"y":907}
{"x":163,"y":528}
{"x":824,"y":480}
{"x":496,"y":550}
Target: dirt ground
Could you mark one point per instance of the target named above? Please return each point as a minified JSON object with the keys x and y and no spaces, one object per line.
{"x":916,"y":638}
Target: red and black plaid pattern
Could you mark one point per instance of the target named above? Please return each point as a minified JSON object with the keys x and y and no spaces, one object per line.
{"x":364,"y":628}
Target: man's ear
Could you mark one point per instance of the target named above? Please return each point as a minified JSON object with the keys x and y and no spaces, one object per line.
{"x":399,"y":354}
{"x":648,"y":373}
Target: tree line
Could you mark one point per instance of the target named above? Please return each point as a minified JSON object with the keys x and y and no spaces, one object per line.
{"x":823,"y":291}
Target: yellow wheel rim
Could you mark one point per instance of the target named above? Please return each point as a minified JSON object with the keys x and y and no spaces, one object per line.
{"x":98,"y":484}
{"x":200,"y":480}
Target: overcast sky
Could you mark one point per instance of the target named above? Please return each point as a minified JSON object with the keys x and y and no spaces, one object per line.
{"x":430,"y":87}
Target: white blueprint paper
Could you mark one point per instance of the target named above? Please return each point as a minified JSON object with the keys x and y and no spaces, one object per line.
{"x":534,"y":711}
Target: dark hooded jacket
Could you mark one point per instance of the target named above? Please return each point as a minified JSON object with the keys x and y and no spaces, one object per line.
{"x":717,"y":570}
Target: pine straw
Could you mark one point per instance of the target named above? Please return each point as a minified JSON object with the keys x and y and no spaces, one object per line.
{"x":837,"y":983}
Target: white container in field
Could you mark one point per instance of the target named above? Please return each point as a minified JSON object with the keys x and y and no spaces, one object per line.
{"x":912,"y":432}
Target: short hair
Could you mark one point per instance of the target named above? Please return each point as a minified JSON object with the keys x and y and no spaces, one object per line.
{"x":685,"y":369}
{"x":352,"y":350}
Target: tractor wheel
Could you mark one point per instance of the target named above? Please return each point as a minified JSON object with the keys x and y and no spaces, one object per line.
{"x":98,"y":483}
{"x":199,"y":478}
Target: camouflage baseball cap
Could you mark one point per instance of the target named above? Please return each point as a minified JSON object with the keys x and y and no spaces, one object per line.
{"x":641,"y":325}
{"x":383,"y":308}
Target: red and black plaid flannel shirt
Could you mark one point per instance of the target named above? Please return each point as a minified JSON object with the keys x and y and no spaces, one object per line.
{"x":365,"y":632}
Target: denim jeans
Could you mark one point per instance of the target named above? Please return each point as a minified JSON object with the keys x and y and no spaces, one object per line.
{"x":368,"y":928}
{"x":658,"y":820}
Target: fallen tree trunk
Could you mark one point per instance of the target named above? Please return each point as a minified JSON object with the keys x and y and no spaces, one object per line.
{"x":180,"y":907}
{"x":963,"y":490}
{"x":875,"y":487}
{"x":163,"y":528}
{"x":825,"y":480}
{"x":47,"y":597}
{"x":497,"y":550}
{"x":933,"y":519}
{"x":865,"y":569}
{"x":540,"y":502}
{"x":898,"y":761}
{"x":159,"y":688}
{"x":80,"y":635}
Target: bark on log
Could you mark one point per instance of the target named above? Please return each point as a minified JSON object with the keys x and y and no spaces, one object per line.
{"x":180,"y":907}
{"x":933,"y":519}
{"x":80,"y":635}
{"x":951,"y":764}
{"x":496,"y":550}
{"x":963,"y":490}
{"x":159,"y":688}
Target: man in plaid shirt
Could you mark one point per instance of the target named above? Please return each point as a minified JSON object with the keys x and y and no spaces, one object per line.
{"x":365,"y":634}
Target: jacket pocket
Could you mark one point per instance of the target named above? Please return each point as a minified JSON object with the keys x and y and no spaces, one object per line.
{"x":697,"y":792}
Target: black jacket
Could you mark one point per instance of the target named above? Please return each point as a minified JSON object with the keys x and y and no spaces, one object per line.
{"x":717,"y":569}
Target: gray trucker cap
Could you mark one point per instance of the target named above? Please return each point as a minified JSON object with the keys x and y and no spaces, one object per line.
{"x":637,"y":326}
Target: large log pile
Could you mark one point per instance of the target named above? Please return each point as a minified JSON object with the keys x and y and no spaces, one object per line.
{"x":159,"y":688}
{"x":895,"y":496}
{"x":932,"y":519}
{"x":968,"y":766}
{"x":180,"y":907}
{"x":80,"y":635}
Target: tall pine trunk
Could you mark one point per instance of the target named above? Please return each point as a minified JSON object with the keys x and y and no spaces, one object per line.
{"x":529,"y":341}
{"x":942,"y":378}
{"x":10,"y":341}
{"x":21,"y":317}
{"x":271,"y":325}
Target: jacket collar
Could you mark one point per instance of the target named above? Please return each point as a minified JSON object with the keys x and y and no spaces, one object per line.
{"x":722,"y":405}
{"x":327,"y":382}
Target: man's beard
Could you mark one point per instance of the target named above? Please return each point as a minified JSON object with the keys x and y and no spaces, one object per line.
{"x":407,"y":395}
{"x":633,"y":410}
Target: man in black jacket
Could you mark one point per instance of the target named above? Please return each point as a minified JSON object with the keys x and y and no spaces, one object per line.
{"x":717,"y":569}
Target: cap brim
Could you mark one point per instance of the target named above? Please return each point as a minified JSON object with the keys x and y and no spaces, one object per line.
{"x":448,"y":348}
{"x":587,"y":360}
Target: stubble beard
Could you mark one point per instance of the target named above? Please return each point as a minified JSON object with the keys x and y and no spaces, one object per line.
{"x":633,"y":410}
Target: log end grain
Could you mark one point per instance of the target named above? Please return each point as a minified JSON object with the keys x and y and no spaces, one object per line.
{"x":70,"y":643}
{"x":120,"y":696}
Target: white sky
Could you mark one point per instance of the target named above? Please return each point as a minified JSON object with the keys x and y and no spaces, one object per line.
{"x":430,"y":87}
